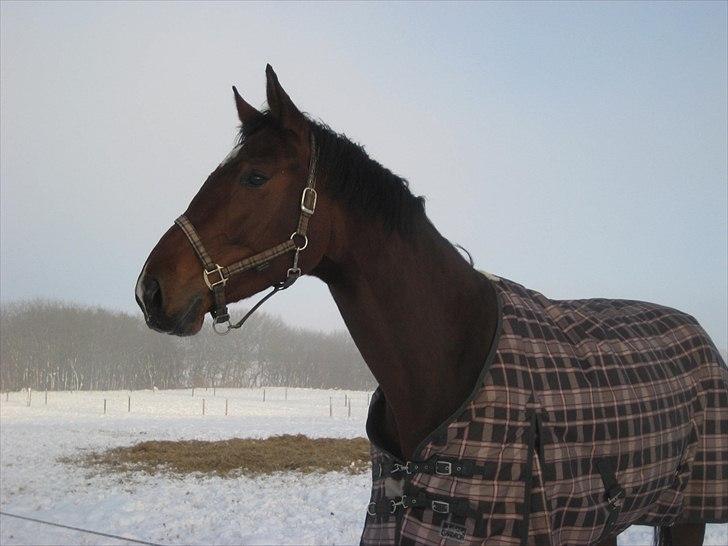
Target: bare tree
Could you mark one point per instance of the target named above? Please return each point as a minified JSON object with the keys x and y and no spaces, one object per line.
{"x":53,"y":345}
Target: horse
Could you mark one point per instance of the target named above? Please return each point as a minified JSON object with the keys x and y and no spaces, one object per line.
{"x":490,"y":423}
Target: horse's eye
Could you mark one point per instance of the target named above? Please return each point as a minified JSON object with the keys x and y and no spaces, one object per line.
{"x":255,"y":180}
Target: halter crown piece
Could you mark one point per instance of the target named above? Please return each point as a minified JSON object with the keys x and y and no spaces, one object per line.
{"x":216,"y":276}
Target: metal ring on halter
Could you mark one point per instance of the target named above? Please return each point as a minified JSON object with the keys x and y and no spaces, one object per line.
{"x":222,"y":332}
{"x":305,"y":240}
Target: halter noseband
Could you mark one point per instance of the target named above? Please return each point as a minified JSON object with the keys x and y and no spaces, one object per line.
{"x":217,"y":276}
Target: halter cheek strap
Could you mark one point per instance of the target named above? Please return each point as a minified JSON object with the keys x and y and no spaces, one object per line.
{"x":217,"y":276}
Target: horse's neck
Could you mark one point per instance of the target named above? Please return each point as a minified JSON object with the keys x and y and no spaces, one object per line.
{"x":422,"y":318}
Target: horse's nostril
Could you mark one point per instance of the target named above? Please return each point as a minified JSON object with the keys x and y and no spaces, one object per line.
{"x":152,"y":295}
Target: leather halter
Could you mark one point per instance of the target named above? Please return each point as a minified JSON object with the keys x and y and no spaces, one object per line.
{"x":217,"y":276}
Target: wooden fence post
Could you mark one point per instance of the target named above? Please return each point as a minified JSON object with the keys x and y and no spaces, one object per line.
{"x":46,"y":397}
{"x":331,"y":406}
{"x":128,"y":408}
{"x":104,"y":406}
{"x":286,"y":394}
{"x":263,"y":395}
{"x":226,"y":406}
{"x":203,"y":406}
{"x":30,"y":396}
{"x":349,"y":407}
{"x":346,"y":401}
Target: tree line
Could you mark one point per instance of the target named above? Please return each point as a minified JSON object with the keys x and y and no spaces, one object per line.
{"x":61,"y":346}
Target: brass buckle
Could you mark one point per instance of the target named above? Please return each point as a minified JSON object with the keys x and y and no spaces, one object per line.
{"x":305,"y":200}
{"x":206,"y":275}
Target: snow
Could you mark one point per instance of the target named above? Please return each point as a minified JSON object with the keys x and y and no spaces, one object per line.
{"x":287,"y":508}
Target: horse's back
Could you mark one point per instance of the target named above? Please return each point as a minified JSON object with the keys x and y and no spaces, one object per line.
{"x":658,"y":396}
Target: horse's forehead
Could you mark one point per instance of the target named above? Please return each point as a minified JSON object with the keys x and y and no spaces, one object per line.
{"x":261,"y":149}
{"x":232,"y":154}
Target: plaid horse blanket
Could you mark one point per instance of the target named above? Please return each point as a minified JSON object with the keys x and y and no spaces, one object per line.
{"x":589,"y":416}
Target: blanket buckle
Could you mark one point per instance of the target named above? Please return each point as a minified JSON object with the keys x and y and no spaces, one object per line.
{"x":441,"y":507}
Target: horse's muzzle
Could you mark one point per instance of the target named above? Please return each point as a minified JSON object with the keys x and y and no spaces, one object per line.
{"x":151,"y":301}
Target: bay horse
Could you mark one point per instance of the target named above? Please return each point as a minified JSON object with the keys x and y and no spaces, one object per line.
{"x":486,"y":426}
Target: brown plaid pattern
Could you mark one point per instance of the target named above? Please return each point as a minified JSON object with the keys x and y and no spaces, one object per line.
{"x":570,"y":388}
{"x":195,"y":241}
{"x":238,"y":267}
{"x":259,"y":259}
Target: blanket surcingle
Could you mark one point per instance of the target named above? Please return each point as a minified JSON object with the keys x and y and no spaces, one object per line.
{"x":589,"y":416}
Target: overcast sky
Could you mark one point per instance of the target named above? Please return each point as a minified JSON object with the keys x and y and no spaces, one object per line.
{"x":579,"y":149}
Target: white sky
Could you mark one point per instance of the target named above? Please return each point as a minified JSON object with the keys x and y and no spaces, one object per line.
{"x":577,"y":148}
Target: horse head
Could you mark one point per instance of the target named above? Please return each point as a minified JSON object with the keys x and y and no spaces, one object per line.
{"x":253,"y":209}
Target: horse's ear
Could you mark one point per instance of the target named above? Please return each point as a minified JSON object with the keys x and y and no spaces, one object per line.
{"x":280,"y":104}
{"x":246,"y":113}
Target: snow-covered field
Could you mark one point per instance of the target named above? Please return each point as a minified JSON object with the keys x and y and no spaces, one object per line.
{"x":282,"y":509}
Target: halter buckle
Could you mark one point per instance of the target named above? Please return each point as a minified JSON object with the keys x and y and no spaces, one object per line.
{"x":212,"y":284}
{"x":308,"y":200}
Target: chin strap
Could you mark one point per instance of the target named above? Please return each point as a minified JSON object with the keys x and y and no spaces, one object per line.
{"x":217,"y":276}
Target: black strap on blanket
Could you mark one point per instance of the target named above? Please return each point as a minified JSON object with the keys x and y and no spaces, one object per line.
{"x":414,"y":497}
{"x":613,"y":491}
{"x":438,"y":467}
{"x":417,"y":498}
{"x":528,"y":476}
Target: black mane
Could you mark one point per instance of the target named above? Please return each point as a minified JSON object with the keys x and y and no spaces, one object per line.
{"x":353,"y":178}
{"x":362,"y":183}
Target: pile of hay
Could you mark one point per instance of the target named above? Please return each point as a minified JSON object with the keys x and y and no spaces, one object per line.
{"x":237,"y":456}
